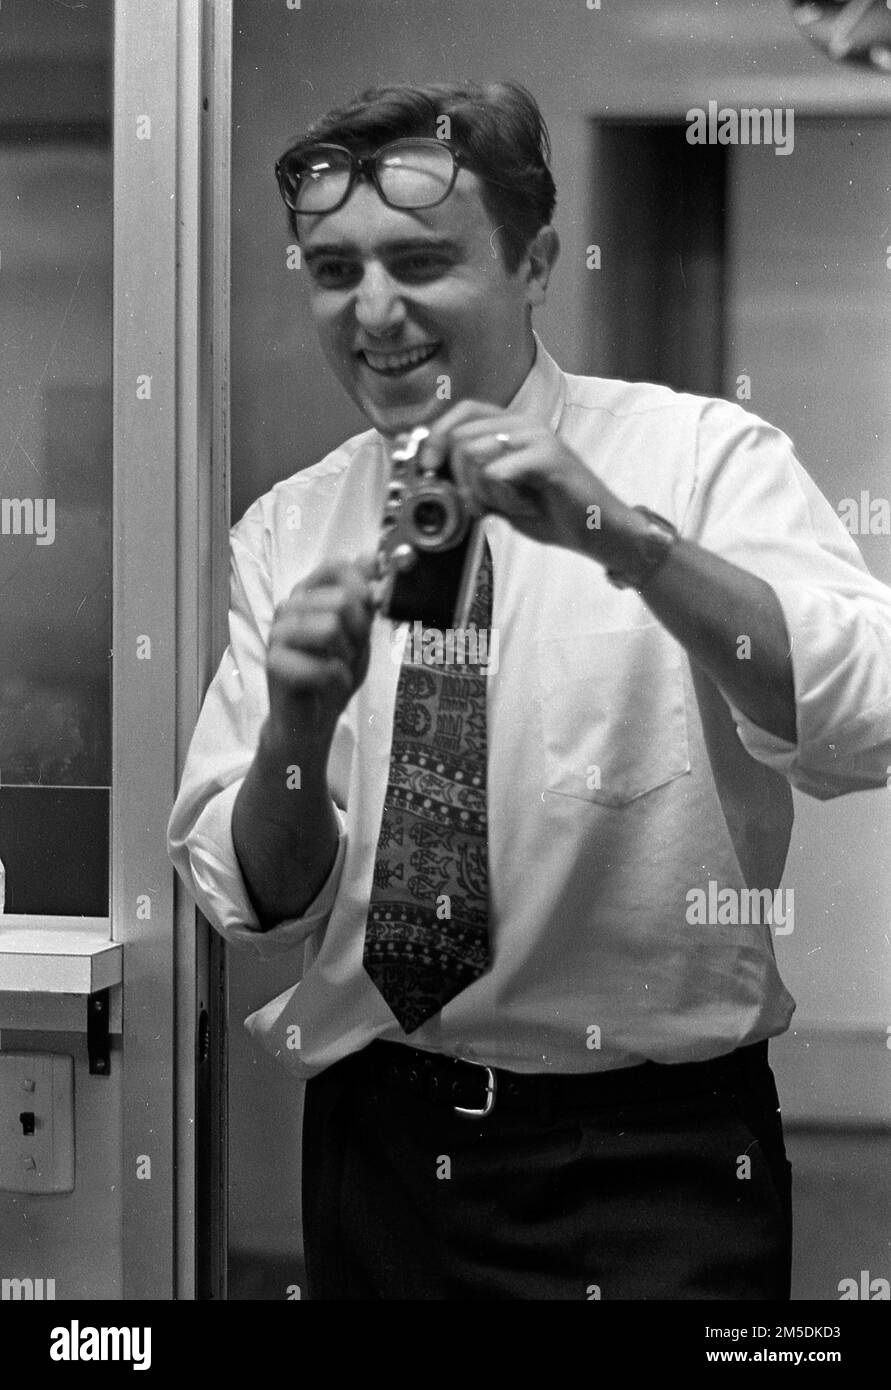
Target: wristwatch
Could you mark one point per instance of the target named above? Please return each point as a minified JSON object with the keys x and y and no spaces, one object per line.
{"x":652,"y":551}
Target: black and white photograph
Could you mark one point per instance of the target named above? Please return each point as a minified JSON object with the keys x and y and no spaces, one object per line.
{"x":445,"y":664}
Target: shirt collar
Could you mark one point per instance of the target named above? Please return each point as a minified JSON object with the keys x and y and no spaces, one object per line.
{"x":543,"y":393}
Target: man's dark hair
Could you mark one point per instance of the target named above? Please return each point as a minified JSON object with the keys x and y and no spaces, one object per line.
{"x":496,"y":125}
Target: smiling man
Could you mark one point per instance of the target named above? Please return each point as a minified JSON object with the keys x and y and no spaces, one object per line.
{"x":407,"y":300}
{"x":529,"y":1074}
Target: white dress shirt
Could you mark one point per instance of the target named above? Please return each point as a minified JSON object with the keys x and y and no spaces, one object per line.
{"x":619,"y":778}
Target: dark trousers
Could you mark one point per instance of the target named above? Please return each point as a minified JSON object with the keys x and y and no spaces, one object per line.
{"x":652,"y":1182}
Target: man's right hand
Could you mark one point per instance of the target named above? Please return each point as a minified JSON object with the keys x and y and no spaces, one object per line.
{"x":318,"y":653}
{"x":285,"y":831}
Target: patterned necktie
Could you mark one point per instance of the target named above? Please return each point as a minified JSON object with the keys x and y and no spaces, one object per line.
{"x":426,"y":937}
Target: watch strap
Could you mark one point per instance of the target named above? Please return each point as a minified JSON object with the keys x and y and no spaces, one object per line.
{"x":652,"y":550}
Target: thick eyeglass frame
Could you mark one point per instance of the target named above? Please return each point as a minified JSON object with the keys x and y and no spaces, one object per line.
{"x":364,"y":166}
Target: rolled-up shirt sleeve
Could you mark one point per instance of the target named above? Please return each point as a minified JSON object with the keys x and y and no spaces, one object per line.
{"x":756,"y":506}
{"x":221,"y":751}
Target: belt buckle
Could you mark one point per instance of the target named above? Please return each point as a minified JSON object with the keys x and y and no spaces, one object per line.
{"x":471,"y":1113}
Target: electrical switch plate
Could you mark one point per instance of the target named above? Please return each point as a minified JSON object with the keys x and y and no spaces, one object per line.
{"x":36,"y":1122}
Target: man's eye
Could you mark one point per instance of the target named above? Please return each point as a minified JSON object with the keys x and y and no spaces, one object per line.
{"x":332,"y":273}
{"x":420,"y":267}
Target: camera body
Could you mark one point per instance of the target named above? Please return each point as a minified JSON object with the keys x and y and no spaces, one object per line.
{"x":431,"y":541}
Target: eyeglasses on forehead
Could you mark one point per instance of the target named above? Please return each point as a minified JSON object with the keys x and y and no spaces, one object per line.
{"x":407,"y":173}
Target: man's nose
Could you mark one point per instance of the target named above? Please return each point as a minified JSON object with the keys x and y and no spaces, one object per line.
{"x":379,"y":307}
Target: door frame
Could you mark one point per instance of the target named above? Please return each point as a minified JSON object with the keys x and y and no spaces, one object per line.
{"x":171,"y":137}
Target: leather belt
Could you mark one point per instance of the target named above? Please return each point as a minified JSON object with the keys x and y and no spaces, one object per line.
{"x":474,"y":1090}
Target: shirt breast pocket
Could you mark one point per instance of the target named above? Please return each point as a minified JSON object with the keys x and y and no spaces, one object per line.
{"x":613,"y":712}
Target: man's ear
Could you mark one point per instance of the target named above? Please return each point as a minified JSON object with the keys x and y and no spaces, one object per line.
{"x":542,"y":252}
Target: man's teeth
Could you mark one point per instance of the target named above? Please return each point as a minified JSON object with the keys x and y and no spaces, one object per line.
{"x":398,"y":361}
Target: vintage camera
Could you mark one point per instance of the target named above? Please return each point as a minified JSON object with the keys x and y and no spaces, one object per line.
{"x":431,"y":541}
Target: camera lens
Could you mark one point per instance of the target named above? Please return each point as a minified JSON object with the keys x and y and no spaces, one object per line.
{"x":430,"y":517}
{"x":435,"y":519}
